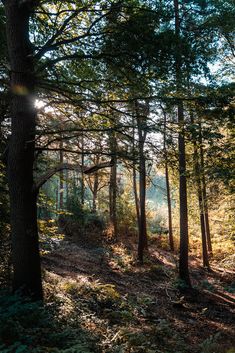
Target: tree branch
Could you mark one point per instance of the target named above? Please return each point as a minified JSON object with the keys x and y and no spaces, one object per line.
{"x":87,"y":170}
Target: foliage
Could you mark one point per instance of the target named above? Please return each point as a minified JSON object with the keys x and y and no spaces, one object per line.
{"x":81,"y":215}
{"x":122,"y":258}
{"x":46,"y":205}
{"x":210,"y":345}
{"x":127,"y":222}
{"x":230,"y":288}
{"x":28,"y":326}
{"x":49,"y":235}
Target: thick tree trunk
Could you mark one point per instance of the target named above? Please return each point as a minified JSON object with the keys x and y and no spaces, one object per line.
{"x":25,"y":249}
{"x":183,"y":260}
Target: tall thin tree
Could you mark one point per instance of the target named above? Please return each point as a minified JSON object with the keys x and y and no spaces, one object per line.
{"x":183,"y":260}
{"x":141,"y":116}
{"x":168,"y":190}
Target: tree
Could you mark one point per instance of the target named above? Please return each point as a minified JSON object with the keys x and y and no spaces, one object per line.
{"x":113,"y":185}
{"x":198,"y":176}
{"x":25,"y":248}
{"x":26,"y":260}
{"x":142,"y":111}
{"x":183,"y":261}
{"x":168,"y":191}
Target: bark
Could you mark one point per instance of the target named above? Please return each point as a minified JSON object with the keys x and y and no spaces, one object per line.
{"x":82,"y":173}
{"x":137,"y":201}
{"x":201,"y":207}
{"x":61,"y":192}
{"x":171,"y":239}
{"x":142,"y":185}
{"x":113,"y":198}
{"x":95,"y":192}
{"x":198,"y":178}
{"x":206,"y":213}
{"x":57,"y":194}
{"x":168,"y":191}
{"x":183,"y":260}
{"x":143,"y":243}
{"x":98,"y":166}
{"x":25,"y":248}
{"x":113,"y":187}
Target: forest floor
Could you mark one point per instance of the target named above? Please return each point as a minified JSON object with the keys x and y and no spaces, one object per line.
{"x":106,"y":302}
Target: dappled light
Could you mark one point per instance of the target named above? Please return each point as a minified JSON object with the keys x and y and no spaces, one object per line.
{"x":117,"y":176}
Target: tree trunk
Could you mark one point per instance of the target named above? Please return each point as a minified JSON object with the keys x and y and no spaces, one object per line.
{"x":113,"y":186}
{"x":137,"y":201}
{"x":201,"y":207}
{"x":142,"y":185}
{"x":95,"y":191}
{"x":168,"y":191}
{"x":171,"y":239}
{"x":206,"y":214}
{"x":113,"y":197}
{"x":57,"y":190}
{"x":143,"y":242}
{"x":61,"y":193}
{"x":25,"y":248}
{"x":183,"y":260}
{"x":82,"y":174}
{"x":143,"y":228}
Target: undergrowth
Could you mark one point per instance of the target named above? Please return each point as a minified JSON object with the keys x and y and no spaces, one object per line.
{"x":31,"y":327}
{"x":84,"y":314}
